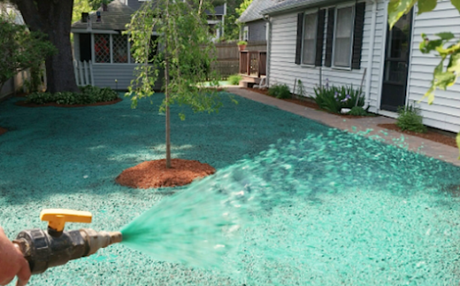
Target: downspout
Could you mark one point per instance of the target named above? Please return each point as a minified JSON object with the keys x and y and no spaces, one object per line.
{"x":223,"y":19}
{"x":269,"y":37}
{"x":371,"y":53}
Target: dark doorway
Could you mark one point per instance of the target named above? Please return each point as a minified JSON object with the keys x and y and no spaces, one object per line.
{"x":85,"y":47}
{"x":397,"y":53}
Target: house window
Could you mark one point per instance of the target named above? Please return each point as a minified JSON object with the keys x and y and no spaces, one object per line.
{"x":343,"y":37}
{"x":120,"y":48}
{"x":245,"y":33}
{"x":102,"y":48}
{"x":309,"y":38}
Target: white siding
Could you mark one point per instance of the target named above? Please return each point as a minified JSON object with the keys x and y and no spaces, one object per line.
{"x":105,"y":75}
{"x":282,"y":57}
{"x":444,"y":113}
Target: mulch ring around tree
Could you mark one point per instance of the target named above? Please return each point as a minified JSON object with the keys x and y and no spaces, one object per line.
{"x":3,"y":131}
{"x":154,"y":174}
{"x":429,"y":135}
{"x":24,"y":104}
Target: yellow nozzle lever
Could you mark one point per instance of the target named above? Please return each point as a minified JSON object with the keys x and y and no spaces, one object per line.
{"x":57,"y":218}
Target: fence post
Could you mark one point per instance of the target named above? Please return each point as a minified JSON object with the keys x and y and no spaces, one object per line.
{"x":80,"y":72}
{"x":248,"y":63}
{"x":85,"y":64}
{"x":75,"y":71}
{"x":91,"y":73}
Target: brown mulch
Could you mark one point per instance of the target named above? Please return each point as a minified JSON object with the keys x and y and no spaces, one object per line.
{"x":3,"y":131}
{"x":24,"y":104}
{"x":430,"y":134}
{"x":154,"y":174}
{"x":304,"y":102}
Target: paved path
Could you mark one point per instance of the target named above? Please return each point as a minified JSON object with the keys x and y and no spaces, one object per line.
{"x":426,"y":147}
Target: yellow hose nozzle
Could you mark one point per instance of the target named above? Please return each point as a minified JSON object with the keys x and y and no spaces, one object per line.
{"x":57,"y":218}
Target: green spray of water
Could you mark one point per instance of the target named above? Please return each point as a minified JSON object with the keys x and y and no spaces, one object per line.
{"x":299,"y":209}
{"x":195,"y":227}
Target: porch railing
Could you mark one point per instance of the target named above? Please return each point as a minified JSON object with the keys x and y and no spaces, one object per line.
{"x":83,"y":73}
{"x":253,"y":63}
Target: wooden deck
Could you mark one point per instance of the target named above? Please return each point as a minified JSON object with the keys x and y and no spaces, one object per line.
{"x":253,"y":63}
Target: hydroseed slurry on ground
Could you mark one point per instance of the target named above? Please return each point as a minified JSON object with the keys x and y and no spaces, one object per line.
{"x":327,"y":208}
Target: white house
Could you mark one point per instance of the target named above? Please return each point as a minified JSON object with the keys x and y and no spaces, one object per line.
{"x":345,"y":42}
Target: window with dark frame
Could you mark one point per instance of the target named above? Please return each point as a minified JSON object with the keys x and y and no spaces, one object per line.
{"x":343,"y":37}
{"x":309,"y":38}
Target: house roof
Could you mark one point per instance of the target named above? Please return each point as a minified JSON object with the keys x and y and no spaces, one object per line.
{"x":116,"y":18}
{"x":253,"y":12}
{"x":287,"y":5}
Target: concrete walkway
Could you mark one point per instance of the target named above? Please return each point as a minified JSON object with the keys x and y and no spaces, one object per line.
{"x":427,"y":147}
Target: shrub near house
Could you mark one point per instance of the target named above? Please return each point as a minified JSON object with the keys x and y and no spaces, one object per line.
{"x":333,"y":99}
{"x":20,"y":49}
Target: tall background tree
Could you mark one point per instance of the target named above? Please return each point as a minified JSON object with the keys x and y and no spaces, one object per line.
{"x":20,"y":49}
{"x":183,"y":49}
{"x":52,"y":18}
{"x":446,"y":46}
{"x":232,"y":29}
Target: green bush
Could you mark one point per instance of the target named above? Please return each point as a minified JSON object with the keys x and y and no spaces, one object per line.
{"x":358,"y":111}
{"x":235,"y":79}
{"x":409,"y":119}
{"x":333,"y":99}
{"x":242,"y":43}
{"x":88,"y":95}
{"x":279,"y":91}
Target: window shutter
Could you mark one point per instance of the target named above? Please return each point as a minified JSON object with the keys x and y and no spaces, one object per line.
{"x":329,"y":36}
{"x":298,"y":47}
{"x":320,"y":38}
{"x":358,"y":35}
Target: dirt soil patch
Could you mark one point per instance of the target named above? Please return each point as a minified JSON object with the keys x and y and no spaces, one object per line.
{"x":154,"y":174}
{"x":304,"y":102}
{"x":24,"y":104}
{"x":3,"y":131}
{"x":430,"y":134}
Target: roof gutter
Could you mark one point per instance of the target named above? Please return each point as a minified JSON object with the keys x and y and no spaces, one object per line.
{"x":269,"y":45}
{"x":296,"y":6}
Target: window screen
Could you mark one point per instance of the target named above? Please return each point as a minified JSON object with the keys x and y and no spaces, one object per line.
{"x":343,"y":37}
{"x":309,"y":38}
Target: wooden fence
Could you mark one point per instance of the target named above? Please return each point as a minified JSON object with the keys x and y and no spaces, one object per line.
{"x":228,"y":61}
{"x":83,"y":73}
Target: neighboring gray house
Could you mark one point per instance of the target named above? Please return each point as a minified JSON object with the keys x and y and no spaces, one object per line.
{"x":254,"y":26}
{"x":320,"y":41}
{"x":101,"y":43}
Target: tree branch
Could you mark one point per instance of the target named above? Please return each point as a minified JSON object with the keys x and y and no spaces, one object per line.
{"x":30,"y":14}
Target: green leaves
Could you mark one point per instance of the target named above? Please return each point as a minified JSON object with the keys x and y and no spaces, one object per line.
{"x":456,"y":3}
{"x":185,"y":42}
{"x":397,"y":8}
{"x":21,"y":49}
{"x":426,"y":5}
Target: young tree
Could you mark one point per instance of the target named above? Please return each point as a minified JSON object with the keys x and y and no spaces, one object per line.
{"x":184,"y":50}
{"x":446,"y":46}
{"x":20,"y":49}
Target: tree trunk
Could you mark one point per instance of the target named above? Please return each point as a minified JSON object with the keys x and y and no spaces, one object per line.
{"x":167,"y":127}
{"x":53,"y":18}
